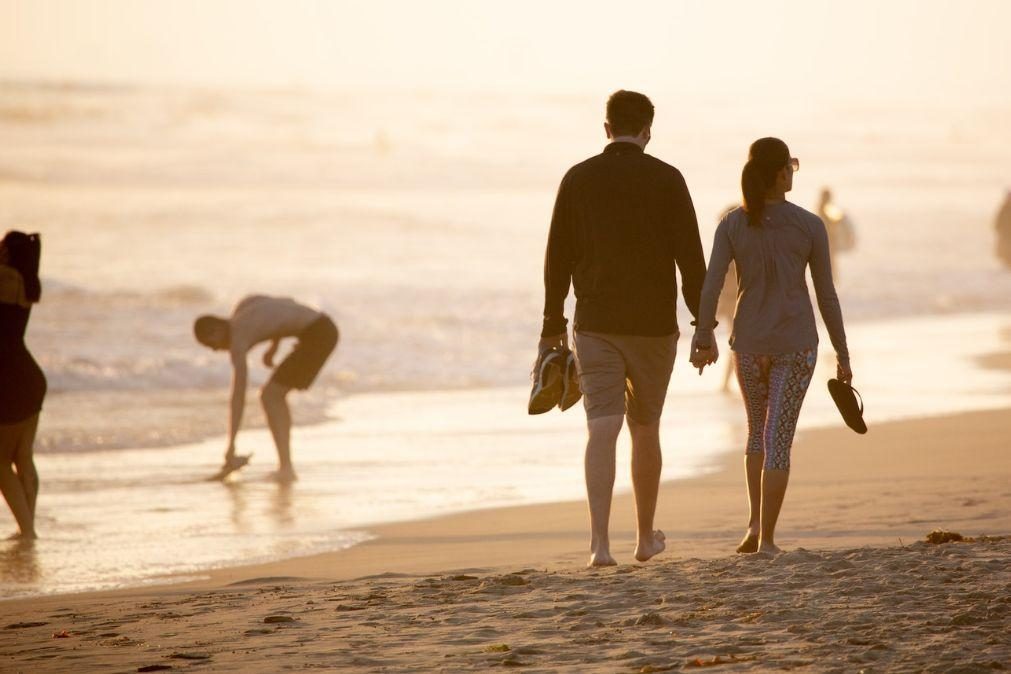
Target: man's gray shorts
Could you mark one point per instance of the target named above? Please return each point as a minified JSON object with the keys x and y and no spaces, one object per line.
{"x":624,"y":374}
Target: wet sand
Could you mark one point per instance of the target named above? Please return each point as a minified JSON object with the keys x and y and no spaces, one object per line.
{"x":857,"y":588}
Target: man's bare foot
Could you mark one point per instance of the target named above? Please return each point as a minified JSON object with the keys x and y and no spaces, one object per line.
{"x":284,"y":475}
{"x":20,"y":536}
{"x":602,"y":558}
{"x":749,"y":544}
{"x":770,"y":549}
{"x":649,"y":547}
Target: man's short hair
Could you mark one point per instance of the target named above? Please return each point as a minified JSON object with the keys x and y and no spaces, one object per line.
{"x":628,"y":113}
{"x":205,"y":325}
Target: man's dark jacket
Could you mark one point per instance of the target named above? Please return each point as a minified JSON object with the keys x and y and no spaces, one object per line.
{"x":622,"y":221}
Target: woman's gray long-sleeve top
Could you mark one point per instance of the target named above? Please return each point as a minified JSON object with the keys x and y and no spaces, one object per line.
{"x":774,"y":313}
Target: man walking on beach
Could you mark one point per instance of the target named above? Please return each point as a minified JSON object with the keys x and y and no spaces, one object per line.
{"x":256,"y":319}
{"x":622,"y":221}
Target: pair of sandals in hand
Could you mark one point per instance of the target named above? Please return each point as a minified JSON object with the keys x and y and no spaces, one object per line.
{"x":556,"y":382}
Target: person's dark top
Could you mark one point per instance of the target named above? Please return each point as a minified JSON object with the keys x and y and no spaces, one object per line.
{"x":22,"y":383}
{"x":622,"y":221}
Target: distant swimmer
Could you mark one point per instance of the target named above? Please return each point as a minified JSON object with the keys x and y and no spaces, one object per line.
{"x":842,"y":236}
{"x":1002,"y":224}
{"x":257,"y":319}
{"x":22,"y":383}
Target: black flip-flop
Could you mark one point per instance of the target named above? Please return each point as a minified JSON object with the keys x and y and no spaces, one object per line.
{"x":850,"y":404}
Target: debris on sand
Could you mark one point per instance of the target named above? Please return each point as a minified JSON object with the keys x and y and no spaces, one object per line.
{"x":938,"y":536}
{"x":279,"y":619}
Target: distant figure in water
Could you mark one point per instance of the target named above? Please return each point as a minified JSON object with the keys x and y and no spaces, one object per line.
{"x":22,"y":383}
{"x":256,"y":319}
{"x":623,"y":220}
{"x":842,"y":236}
{"x":1002,"y":223}
{"x":774,"y":336}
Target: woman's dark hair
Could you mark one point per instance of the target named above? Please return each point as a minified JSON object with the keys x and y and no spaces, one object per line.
{"x":766,"y":157}
{"x":23,"y":252}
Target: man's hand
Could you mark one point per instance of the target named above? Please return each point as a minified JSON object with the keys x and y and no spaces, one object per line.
{"x":843,"y":373}
{"x":561,"y":340}
{"x":268,"y":355}
{"x":703,"y":350}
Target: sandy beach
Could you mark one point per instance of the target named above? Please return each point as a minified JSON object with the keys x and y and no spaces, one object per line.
{"x":858,"y":588}
{"x":446,"y":182}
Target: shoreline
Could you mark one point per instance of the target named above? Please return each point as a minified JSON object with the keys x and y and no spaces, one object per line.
{"x":707,"y":532}
{"x":123,"y":520}
{"x":857,"y":587}
{"x":554,"y":535}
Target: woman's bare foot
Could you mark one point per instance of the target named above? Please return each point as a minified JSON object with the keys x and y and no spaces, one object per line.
{"x":770,"y":549}
{"x":20,"y":536}
{"x":602,"y":558}
{"x":654,"y":545}
{"x":749,"y":544}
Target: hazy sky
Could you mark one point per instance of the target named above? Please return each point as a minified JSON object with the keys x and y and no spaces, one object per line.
{"x":932,"y":49}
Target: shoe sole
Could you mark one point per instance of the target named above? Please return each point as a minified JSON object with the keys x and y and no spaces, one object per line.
{"x":571,"y":392}
{"x":548,"y":388}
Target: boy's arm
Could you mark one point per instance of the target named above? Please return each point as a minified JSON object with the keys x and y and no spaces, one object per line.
{"x":238,"y":399}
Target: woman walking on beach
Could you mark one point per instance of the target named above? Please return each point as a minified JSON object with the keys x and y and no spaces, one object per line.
{"x":22,"y":384}
{"x":774,"y":337}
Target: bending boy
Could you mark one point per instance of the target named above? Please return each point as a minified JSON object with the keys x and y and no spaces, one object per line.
{"x":256,"y":319}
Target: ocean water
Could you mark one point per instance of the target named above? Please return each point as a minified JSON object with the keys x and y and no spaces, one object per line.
{"x":418,"y":222}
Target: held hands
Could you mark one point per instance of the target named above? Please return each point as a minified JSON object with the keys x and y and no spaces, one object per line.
{"x":704,"y":350}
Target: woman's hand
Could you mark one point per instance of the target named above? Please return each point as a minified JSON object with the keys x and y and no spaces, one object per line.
{"x":843,"y":372}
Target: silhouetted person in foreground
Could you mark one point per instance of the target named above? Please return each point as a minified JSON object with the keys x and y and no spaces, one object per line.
{"x":22,"y":383}
{"x":256,"y":319}
{"x":842,"y":237}
{"x":1002,"y":223}
{"x":622,"y":221}
{"x":774,"y":338}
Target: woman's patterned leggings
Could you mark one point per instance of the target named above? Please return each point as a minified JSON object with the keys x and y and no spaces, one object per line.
{"x":773,"y":389}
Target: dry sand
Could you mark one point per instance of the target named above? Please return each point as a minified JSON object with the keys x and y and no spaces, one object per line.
{"x":856,"y":589}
